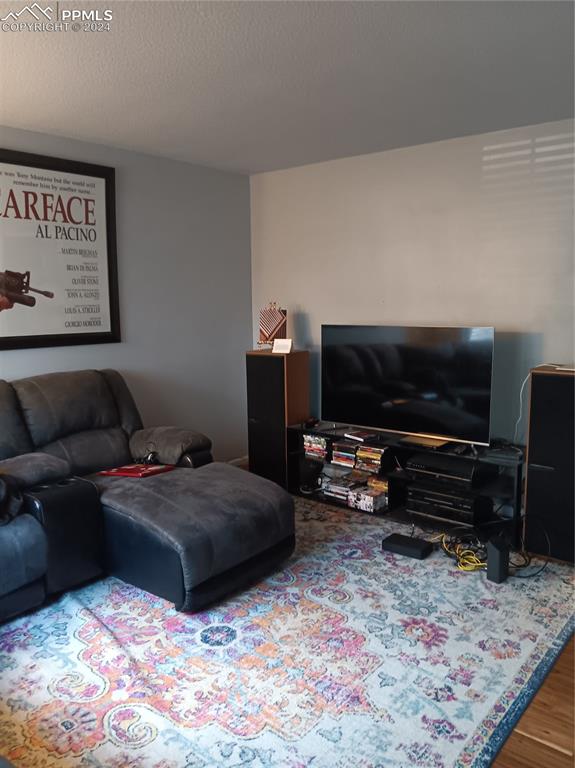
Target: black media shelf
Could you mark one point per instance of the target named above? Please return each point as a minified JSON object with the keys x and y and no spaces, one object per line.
{"x":503,"y":488}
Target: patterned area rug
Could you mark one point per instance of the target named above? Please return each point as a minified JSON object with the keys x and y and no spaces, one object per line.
{"x":345,"y":658}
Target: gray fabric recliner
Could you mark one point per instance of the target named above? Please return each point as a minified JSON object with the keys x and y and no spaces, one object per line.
{"x":23,"y":540}
{"x":23,"y":565}
{"x":188,"y":536}
{"x":86,"y":418}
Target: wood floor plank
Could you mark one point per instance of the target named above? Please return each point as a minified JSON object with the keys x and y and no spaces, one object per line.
{"x":544,"y":736}
{"x":549,"y":718}
{"x":522,"y":752}
{"x":549,"y":726}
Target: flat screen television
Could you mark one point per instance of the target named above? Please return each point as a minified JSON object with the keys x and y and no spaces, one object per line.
{"x":432,"y":382}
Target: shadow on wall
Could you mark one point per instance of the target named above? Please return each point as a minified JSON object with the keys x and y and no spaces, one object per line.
{"x":301,"y":329}
{"x":513,"y":356}
{"x":171,"y":398}
{"x":302,"y":339}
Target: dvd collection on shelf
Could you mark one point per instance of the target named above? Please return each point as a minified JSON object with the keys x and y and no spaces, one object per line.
{"x":343,"y":454}
{"x":339,"y":487}
{"x":368,"y":499}
{"x":369,"y":459}
{"x":315,"y":447}
{"x":360,"y":487}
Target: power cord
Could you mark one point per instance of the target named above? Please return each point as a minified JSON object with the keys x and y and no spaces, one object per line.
{"x":530,"y":575}
{"x":527,"y":557}
{"x":470,"y":553}
{"x":467,"y":550}
{"x":525,"y":380}
{"x":307,"y":491}
{"x":501,"y":444}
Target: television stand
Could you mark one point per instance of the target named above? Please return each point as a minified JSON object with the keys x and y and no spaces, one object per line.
{"x":490,"y":503}
{"x":424,"y":442}
{"x":329,"y":426}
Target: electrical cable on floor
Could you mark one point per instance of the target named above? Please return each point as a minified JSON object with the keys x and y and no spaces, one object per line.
{"x":467,"y":550}
{"x":470,"y":553}
{"x":530,"y":575}
{"x":528,"y":558}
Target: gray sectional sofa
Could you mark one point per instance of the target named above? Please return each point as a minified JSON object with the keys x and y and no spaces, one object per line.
{"x":191,"y":535}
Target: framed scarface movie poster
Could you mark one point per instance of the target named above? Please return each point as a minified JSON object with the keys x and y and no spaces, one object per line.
{"x":58,"y":273}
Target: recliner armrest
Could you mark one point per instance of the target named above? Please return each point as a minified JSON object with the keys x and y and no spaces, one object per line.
{"x":30,"y":469}
{"x":170,"y":444}
{"x":195,"y":459}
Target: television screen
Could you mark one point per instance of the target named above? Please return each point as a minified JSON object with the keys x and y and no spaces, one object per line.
{"x":418,"y":381}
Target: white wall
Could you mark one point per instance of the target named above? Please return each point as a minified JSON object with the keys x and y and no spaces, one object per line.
{"x":470,"y":231}
{"x":185,"y":292}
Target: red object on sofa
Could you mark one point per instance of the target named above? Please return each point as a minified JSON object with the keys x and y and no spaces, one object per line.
{"x":138,"y":470}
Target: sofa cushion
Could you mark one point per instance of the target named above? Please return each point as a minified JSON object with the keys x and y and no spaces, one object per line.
{"x":11,"y":500}
{"x":129,"y":416}
{"x":32,"y":468}
{"x":215,"y":517}
{"x":14,"y":437}
{"x":23,"y":553}
{"x":59,"y":404}
{"x":169,"y":443}
{"x":92,"y":450}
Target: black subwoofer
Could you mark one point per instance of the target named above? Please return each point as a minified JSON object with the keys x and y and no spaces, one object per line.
{"x":549,"y":503}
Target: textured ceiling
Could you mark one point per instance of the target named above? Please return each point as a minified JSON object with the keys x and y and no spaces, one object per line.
{"x":253,"y":86}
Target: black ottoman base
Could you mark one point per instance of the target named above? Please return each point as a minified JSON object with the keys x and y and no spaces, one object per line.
{"x":193,"y":536}
{"x":137,"y":556}
{"x":240,"y":577}
{"x":21,"y":600}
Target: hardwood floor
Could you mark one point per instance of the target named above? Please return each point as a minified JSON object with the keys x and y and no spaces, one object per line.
{"x":544,"y":737}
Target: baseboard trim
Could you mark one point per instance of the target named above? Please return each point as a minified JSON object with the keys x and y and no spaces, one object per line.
{"x":240,"y":461}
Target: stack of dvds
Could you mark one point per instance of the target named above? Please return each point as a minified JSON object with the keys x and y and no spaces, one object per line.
{"x":344,"y":454}
{"x":369,"y":459}
{"x":315,"y":447}
{"x":339,"y":488}
{"x":367,"y":499}
{"x":379,"y":483}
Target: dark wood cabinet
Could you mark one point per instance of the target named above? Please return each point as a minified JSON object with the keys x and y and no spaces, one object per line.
{"x":278,"y":395}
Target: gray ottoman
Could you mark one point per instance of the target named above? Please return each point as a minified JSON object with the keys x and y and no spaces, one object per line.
{"x":193,"y":536}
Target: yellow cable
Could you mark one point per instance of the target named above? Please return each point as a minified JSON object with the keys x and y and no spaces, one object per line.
{"x":466,"y":559}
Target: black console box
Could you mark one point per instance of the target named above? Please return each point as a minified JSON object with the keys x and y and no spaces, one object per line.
{"x":448,"y":504}
{"x":408,"y":546}
{"x":71,"y":516}
{"x":455,"y":470}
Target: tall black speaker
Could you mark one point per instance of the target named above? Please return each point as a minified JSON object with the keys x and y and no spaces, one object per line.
{"x":278,"y":395}
{"x":549,"y":502}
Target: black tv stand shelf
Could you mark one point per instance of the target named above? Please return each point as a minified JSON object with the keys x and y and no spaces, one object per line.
{"x":500,"y":470}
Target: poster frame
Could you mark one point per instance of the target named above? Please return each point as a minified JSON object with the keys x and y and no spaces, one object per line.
{"x":46,"y":162}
